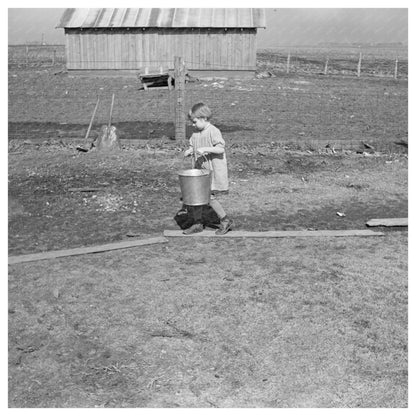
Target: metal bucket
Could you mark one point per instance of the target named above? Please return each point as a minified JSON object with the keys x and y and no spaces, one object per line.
{"x":195,"y":186}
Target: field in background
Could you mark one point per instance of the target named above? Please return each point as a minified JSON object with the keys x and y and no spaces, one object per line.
{"x":390,"y":62}
{"x":376,"y":61}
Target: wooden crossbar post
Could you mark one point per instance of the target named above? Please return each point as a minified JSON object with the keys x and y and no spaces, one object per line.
{"x":326,"y":66}
{"x":396,"y":67}
{"x":288,"y":63}
{"x":180,"y":128}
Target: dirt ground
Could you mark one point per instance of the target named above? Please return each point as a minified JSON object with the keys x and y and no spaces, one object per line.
{"x":209,"y":323}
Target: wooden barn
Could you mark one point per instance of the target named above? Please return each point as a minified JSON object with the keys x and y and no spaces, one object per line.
{"x":137,"y":39}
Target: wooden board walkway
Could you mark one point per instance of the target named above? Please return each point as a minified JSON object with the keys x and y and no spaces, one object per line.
{"x":85,"y":250}
{"x":388,"y":222}
{"x":277,"y":234}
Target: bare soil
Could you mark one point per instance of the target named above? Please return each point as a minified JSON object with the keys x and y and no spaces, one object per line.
{"x":208,"y":323}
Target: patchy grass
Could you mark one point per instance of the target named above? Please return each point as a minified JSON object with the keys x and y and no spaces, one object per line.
{"x":139,"y":192}
{"x":214,"y":323}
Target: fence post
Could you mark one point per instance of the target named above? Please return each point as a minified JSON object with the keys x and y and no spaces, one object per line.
{"x":326,"y":66}
{"x":180,"y":128}
{"x":54,"y":57}
{"x":359,"y":65}
{"x":396,"y":67}
{"x":288,"y":63}
{"x":27,"y":55}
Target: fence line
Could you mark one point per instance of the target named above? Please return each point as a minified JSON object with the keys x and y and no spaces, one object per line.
{"x":374,"y":63}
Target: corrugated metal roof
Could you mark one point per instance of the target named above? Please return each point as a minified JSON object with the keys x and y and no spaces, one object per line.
{"x":175,"y":18}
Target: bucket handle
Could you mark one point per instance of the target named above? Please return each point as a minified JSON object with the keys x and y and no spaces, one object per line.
{"x":194,"y":158}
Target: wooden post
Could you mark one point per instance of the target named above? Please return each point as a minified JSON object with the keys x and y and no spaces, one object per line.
{"x":288,"y":63}
{"x":111,"y":113}
{"x":395,"y":67}
{"x":359,"y":65}
{"x":180,"y":129}
{"x":326,"y":66}
{"x":27,"y":55}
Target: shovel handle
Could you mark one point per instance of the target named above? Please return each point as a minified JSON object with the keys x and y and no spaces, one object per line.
{"x":92,"y":119}
{"x":111,"y":112}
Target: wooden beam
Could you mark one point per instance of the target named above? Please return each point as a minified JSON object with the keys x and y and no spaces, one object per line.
{"x":180,"y":118}
{"x":388,"y":222}
{"x":85,"y":250}
{"x":277,"y":234}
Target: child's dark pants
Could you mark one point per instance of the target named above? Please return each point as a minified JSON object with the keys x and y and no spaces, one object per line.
{"x":196,"y":212}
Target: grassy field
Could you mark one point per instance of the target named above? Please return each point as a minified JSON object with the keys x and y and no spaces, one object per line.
{"x":230,"y":323}
{"x":274,"y":323}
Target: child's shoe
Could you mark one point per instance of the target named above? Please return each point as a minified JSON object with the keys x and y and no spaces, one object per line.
{"x":225,"y":226}
{"x":195,"y":228}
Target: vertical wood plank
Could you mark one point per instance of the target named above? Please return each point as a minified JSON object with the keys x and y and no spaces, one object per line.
{"x":117,"y":50}
{"x":78,"y":51}
{"x":86,"y":50}
{"x":103,"y":49}
{"x":94,"y":48}
{"x":132,"y":50}
{"x":242,"y":49}
{"x":202,"y":48}
{"x":253,"y":50}
{"x":69,"y":51}
{"x":139,"y":49}
{"x":197,"y":53}
{"x":180,"y":128}
{"x":238,"y":50}
{"x":107,"y":51}
{"x":146,"y":49}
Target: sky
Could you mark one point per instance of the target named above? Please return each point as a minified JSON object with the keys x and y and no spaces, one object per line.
{"x":285,"y":26}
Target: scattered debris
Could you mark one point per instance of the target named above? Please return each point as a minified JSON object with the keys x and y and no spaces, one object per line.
{"x":84,"y":189}
{"x":368,"y":146}
{"x":133,"y":234}
{"x":402,"y":143}
{"x":156,"y":80}
{"x":81,"y":149}
{"x":264,"y":74}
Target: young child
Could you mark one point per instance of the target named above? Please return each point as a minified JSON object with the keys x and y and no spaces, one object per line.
{"x":208,"y":146}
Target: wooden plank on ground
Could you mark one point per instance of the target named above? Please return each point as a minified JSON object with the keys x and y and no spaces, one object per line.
{"x":388,"y":222}
{"x":277,"y":234}
{"x":85,"y":250}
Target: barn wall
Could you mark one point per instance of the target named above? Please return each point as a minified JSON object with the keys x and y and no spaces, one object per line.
{"x":202,"y":49}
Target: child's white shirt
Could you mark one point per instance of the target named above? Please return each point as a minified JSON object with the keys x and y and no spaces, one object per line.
{"x":217,"y":163}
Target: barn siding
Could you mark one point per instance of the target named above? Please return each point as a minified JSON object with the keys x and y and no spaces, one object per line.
{"x":202,"y":49}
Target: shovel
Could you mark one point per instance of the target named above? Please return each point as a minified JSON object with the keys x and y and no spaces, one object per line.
{"x":80,"y":148}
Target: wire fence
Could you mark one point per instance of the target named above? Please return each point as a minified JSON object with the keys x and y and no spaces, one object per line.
{"x":345,"y":61}
{"x":353,"y":61}
{"x":288,"y":107}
